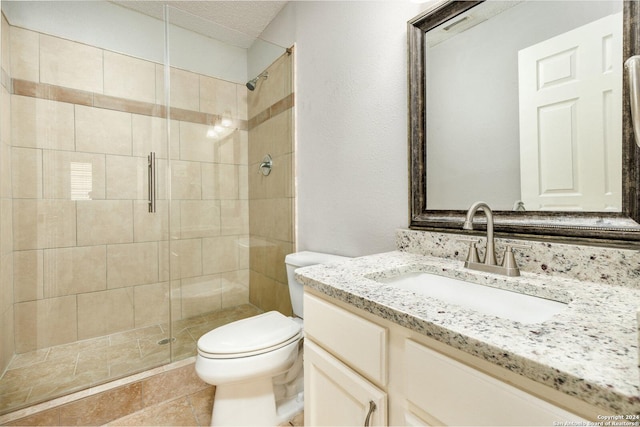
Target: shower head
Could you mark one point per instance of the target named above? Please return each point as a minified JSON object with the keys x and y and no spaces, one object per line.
{"x":251,"y":84}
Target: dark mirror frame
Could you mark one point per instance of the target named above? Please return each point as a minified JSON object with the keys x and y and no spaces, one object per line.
{"x":614,"y":227}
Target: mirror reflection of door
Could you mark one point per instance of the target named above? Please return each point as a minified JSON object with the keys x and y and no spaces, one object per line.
{"x":570,"y":90}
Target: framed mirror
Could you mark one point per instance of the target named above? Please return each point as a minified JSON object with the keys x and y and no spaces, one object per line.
{"x":524,"y":105}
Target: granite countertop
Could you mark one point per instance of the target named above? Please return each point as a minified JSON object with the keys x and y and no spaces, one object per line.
{"x":590,"y":350}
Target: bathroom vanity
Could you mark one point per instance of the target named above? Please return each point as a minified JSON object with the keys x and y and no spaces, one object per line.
{"x":399,"y":357}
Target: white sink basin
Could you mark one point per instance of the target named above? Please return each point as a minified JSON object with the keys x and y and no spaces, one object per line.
{"x":484,"y":299}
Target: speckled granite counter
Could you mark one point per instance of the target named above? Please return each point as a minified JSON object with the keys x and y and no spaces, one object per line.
{"x":589,"y":351}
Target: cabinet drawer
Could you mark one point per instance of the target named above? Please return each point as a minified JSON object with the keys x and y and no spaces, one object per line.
{"x":359,"y":343}
{"x":457,"y":394}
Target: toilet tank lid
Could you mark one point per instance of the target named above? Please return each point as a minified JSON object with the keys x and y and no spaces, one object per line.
{"x":305,"y":258}
{"x":251,"y":334}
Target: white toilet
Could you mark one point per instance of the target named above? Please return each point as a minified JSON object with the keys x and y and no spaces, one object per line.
{"x":256,"y":363}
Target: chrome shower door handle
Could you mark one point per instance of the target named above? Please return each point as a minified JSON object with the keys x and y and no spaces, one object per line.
{"x":152,"y":181}
{"x":633,"y":70}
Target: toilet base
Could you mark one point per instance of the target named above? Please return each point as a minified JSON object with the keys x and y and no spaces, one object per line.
{"x":252,"y":403}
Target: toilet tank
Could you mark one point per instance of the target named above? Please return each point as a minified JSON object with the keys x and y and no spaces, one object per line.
{"x":304,"y":259}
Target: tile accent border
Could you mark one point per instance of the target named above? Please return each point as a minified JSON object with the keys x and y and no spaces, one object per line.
{"x":90,"y":99}
{"x":278,"y":107}
{"x":110,"y":401}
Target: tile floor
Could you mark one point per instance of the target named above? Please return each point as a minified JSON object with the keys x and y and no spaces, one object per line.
{"x":44,"y":374}
{"x":192,"y":410}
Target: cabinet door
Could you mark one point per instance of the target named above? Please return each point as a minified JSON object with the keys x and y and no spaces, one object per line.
{"x":334,"y":395}
{"x":459,"y":395}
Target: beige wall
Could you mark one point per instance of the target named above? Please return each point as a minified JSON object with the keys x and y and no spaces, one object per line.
{"x":271,"y":198}
{"x":87,"y":268}
{"x":7,"y":347}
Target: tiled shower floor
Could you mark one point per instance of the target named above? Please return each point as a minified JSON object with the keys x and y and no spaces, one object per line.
{"x":44,"y":374}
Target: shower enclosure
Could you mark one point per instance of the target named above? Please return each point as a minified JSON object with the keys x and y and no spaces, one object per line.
{"x":133,"y":214}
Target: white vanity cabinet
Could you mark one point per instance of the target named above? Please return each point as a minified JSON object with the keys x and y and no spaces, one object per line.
{"x":451,"y":393}
{"x":344,"y":355}
{"x":353,"y":358}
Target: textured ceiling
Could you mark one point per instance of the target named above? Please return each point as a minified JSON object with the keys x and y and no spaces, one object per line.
{"x":237,"y":23}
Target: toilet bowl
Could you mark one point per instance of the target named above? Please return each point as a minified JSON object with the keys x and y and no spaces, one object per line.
{"x":256,"y":363}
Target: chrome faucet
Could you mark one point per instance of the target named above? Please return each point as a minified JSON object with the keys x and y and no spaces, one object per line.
{"x":489,"y":265}
{"x":490,"y":254}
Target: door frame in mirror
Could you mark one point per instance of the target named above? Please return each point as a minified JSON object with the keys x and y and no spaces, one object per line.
{"x":622,"y":227}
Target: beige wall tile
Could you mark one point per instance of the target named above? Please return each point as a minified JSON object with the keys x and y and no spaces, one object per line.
{"x":220,"y":181}
{"x":275,"y":136}
{"x":263,"y":291}
{"x":6,"y":285}
{"x":42,"y":224}
{"x":129,"y":77}
{"x":271,"y":218}
{"x":201,"y":295}
{"x":5,"y":38}
{"x":185,"y":90}
{"x":5,"y":117}
{"x":278,"y":184}
{"x":25,"y":57}
{"x":26,"y":171}
{"x":5,"y":171}
{"x":152,"y":226}
{"x":162,"y":184}
{"x":273,"y":89}
{"x":186,"y":258}
{"x":103,"y":131}
{"x":228,"y":178}
{"x":199,"y":218}
{"x":70,"y":271}
{"x":105,"y":221}
{"x":66,"y":173}
{"x":210,"y":184}
{"x":132,"y":264}
{"x":235,"y":288}
{"x":176,"y":304}
{"x":28,"y":275}
{"x":195,"y":145}
{"x":7,"y":337}
{"x":218,"y":97}
{"x":45,"y":323}
{"x":127,"y":178}
{"x":150,"y":134}
{"x":106,"y":312}
{"x":151,"y":304}
{"x":233,"y":149}
{"x":243,"y":112}
{"x":222,"y":254}
{"x":40,"y":123}
{"x":70,"y":64}
{"x":243,"y":182}
{"x":283,"y":300}
{"x":6,"y":226}
{"x":234,"y":217}
{"x":186,"y":180}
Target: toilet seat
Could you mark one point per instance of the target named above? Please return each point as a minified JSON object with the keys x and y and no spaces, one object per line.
{"x":248,"y":337}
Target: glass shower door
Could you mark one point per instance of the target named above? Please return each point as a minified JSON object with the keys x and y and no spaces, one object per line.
{"x":91,"y":296}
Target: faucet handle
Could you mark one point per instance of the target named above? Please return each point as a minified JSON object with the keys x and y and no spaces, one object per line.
{"x":509,"y":261}
{"x":472,"y":256}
